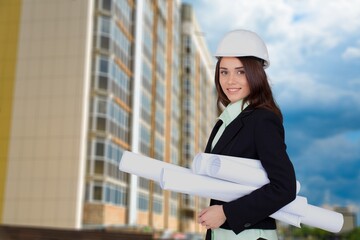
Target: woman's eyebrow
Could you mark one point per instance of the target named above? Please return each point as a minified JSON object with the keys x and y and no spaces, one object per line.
{"x":234,"y":68}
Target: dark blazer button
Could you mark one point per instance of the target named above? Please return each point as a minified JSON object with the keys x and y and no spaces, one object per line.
{"x":247,"y":225}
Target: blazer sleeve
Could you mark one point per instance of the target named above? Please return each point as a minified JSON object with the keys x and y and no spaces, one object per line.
{"x":242,"y":213}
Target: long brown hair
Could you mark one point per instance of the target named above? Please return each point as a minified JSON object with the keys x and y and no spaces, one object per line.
{"x":260,"y":91}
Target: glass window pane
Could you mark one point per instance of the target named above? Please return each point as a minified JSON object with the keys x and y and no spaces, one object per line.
{"x":106,"y":5}
{"x":104,"y":65}
{"x":102,"y":106}
{"x":105,"y":43}
{"x":108,"y":194}
{"x":101,"y":124}
{"x":100,"y":149}
{"x":97,"y":193}
{"x":99,"y":167}
{"x":103,"y":83}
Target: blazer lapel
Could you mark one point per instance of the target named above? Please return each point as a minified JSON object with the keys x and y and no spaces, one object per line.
{"x":212,"y":135}
{"x":230,"y":131}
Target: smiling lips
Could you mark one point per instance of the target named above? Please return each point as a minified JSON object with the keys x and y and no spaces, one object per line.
{"x":233,"y":89}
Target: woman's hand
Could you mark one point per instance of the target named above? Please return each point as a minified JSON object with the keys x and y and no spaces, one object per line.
{"x":212,"y":217}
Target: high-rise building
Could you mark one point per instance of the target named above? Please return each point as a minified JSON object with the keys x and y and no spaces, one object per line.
{"x":197,"y":107}
{"x":45,"y":51}
{"x":81,"y":81}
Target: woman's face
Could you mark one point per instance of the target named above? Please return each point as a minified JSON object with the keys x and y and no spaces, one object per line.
{"x":232,"y":79}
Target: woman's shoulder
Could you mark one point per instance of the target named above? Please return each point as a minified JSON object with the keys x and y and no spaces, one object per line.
{"x":265,"y":112}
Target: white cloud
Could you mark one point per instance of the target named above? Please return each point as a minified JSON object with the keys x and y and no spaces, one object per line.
{"x":296,"y":32}
{"x":330,"y":164}
{"x":338,"y":149}
{"x":291,"y":28}
{"x":351,"y":53}
{"x":300,"y":90}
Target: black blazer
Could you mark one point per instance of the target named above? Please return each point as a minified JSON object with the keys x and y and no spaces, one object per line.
{"x":257,"y":134}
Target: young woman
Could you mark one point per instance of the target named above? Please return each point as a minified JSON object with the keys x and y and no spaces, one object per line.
{"x":250,"y":127}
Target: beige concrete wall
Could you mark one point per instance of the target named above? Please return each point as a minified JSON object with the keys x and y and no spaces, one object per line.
{"x":9,"y":31}
{"x":173,"y":223}
{"x":93,"y":214}
{"x":158,"y":221}
{"x":100,"y":214}
{"x":143,"y":218}
{"x":44,"y":185}
{"x":114,"y":215}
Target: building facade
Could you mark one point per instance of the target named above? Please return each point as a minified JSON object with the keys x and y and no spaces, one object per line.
{"x":82,"y":81}
{"x":197,"y":107}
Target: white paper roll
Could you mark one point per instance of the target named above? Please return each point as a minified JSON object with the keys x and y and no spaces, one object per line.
{"x":226,"y":191}
{"x":219,"y":189}
{"x":175,"y":178}
{"x":323,"y":218}
{"x":204,"y":186}
{"x":145,"y":167}
{"x":287,"y":218}
{"x":244,"y":171}
{"x":202,"y":162}
{"x":238,"y":172}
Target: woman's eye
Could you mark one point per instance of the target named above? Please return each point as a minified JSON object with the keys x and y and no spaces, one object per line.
{"x":223,"y":72}
{"x":240,"y":72}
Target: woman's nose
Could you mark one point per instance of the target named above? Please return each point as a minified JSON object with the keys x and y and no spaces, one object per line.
{"x":232,"y":78}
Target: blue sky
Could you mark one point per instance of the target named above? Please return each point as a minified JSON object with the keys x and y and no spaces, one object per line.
{"x":314,"y":48}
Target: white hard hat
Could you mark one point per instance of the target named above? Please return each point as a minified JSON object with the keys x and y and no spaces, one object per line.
{"x":243,"y":43}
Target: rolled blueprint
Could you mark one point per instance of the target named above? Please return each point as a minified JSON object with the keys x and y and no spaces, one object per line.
{"x":204,"y":186}
{"x":244,"y":171}
{"x":294,"y":213}
{"x":323,"y":218}
{"x":179,"y":179}
{"x":146,"y":167}
{"x":218,"y":189}
{"x":202,"y":162}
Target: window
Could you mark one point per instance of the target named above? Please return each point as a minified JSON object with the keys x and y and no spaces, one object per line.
{"x":105,"y":25}
{"x":99,"y":149}
{"x":100,"y":124}
{"x":174,"y":195}
{"x":143,"y":202}
{"x":103,"y":83}
{"x":157,"y":205}
{"x":87,"y":192}
{"x":97,"y":194}
{"x":145,"y":138}
{"x":144,"y":183}
{"x":99,"y":167}
{"x":101,"y":106}
{"x":108,"y":192}
{"x":124,"y":13}
{"x":188,"y":200}
{"x":121,"y":196}
{"x":173,"y":209}
{"x":104,"y":65}
{"x":157,"y":189}
{"x":106,"y":5}
{"x":105,"y":43}
{"x":159,"y":148}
